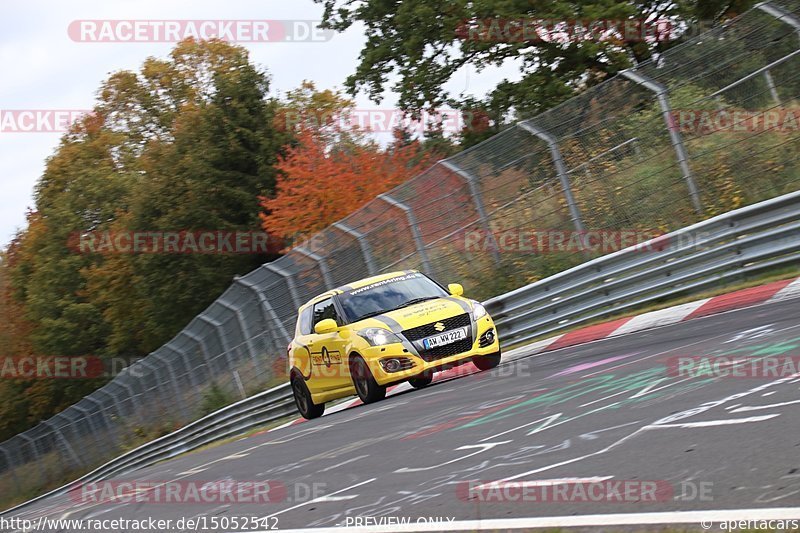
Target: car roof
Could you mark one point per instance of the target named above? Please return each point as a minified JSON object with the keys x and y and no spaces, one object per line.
{"x":356,"y":285}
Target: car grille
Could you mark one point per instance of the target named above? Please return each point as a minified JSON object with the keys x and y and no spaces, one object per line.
{"x":440,"y":352}
{"x":458,"y":321}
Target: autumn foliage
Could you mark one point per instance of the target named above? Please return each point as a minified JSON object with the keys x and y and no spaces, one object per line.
{"x":319,"y":184}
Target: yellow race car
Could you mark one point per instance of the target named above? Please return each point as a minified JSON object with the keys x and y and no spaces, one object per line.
{"x":383,"y":330}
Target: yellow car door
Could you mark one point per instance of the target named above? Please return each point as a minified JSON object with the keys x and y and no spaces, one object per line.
{"x":328,"y":358}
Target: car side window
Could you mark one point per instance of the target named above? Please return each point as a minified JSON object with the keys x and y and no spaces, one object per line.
{"x":324,"y":309}
{"x":304,"y":323}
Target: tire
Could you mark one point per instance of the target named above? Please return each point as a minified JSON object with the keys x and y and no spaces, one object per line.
{"x":302,"y":398}
{"x":421,"y":381}
{"x":367,"y":388}
{"x":487,"y":362}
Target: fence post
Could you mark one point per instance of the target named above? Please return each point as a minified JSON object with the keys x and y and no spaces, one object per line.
{"x":174,"y":380}
{"x":203,"y":349}
{"x":11,"y":467}
{"x":266,"y":307}
{"x":289,"y":282}
{"x":781,"y":14}
{"x":58,"y":436}
{"x":185,"y":358}
{"x":156,"y":397}
{"x":75,"y":436}
{"x":412,"y":222}
{"x":114,"y":399}
{"x":477,"y":199}
{"x":223,"y":338}
{"x":135,"y":411}
{"x":675,"y":136}
{"x":366,"y":249}
{"x":773,"y":91}
{"x":561,"y":170}
{"x":104,"y":415}
{"x":92,"y":428}
{"x":246,"y":333}
{"x":36,"y":456}
{"x":226,"y":346}
{"x":323,"y":265}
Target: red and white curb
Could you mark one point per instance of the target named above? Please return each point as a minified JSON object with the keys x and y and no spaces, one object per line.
{"x":771,"y":292}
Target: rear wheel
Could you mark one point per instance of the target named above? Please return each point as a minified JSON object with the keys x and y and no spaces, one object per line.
{"x":421,"y":380}
{"x":302,"y":398}
{"x":366,"y":387}
{"x":487,"y":362}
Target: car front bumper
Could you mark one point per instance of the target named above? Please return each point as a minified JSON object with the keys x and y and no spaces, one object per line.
{"x":375,"y":354}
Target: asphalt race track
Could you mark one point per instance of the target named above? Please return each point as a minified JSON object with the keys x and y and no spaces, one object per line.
{"x":612,"y":410}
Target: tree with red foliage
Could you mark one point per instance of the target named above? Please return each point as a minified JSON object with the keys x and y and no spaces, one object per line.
{"x":319,"y":184}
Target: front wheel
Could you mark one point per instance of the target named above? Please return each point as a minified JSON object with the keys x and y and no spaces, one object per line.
{"x":421,"y":380}
{"x":302,"y":398}
{"x":487,"y":362}
{"x":366,"y":387}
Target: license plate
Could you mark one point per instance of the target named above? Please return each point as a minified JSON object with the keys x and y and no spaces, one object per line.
{"x":444,"y":338}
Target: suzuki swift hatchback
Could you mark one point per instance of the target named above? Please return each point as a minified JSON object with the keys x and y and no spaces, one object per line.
{"x":383,"y":330}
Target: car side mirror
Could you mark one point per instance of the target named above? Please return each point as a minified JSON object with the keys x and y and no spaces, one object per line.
{"x":327,"y":325}
{"x":455,"y":289}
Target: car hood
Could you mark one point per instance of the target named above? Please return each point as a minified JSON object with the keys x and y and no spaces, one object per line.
{"x":419,"y":314}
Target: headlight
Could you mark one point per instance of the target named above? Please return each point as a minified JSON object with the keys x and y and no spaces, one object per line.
{"x":478,"y":310}
{"x":378,"y":336}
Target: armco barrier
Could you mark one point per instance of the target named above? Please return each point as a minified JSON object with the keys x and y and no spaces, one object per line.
{"x":753,"y":238}
{"x":756,"y":237}
{"x":229,"y":421}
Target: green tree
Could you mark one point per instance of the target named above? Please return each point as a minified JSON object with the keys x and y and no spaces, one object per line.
{"x":218,"y":160}
{"x":423,"y":43}
{"x":186,"y":143}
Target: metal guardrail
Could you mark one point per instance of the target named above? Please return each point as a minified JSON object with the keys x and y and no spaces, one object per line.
{"x":229,"y":421}
{"x":752,"y":238}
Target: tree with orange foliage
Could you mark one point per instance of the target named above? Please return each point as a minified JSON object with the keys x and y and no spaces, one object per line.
{"x":320,"y":184}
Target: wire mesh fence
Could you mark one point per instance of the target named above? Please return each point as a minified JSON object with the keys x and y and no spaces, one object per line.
{"x":709,"y":126}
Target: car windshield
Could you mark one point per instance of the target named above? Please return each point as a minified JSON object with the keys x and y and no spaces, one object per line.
{"x":382,"y":296}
